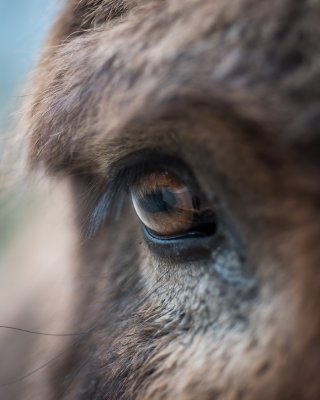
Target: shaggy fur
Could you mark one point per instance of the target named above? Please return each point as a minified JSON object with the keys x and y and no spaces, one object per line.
{"x":231,"y":89}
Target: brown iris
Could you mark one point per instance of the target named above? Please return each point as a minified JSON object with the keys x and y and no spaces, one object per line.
{"x":164,"y":203}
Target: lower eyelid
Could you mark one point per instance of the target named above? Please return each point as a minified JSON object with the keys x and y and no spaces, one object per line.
{"x":188,"y":247}
{"x":214,"y":251}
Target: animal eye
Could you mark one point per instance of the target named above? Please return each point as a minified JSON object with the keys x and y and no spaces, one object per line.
{"x":167,"y":206}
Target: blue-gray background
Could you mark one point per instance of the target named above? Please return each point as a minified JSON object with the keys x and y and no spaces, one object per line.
{"x":23,"y":26}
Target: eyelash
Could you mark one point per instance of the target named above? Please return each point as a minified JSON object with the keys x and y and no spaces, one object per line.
{"x":107,"y":205}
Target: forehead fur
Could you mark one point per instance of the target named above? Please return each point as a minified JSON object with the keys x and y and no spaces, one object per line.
{"x":82,"y":15}
{"x":123,"y":63}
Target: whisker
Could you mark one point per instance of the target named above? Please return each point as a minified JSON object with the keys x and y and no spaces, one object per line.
{"x":46,"y":364}
{"x":54,"y":359}
{"x":79,"y":335}
{"x":13,"y":328}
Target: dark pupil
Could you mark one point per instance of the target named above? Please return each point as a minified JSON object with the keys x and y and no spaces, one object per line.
{"x":160,"y":201}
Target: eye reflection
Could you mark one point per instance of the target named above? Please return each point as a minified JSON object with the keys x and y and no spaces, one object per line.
{"x":165,"y":204}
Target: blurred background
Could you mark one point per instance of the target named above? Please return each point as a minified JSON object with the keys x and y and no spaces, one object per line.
{"x":23,"y":27}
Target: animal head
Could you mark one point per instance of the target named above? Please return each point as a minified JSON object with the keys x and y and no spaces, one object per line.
{"x":189,"y":133}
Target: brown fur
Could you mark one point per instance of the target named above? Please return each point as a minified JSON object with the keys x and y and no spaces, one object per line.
{"x":231,"y":89}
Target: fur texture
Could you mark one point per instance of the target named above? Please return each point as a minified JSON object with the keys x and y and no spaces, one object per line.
{"x":232,"y":90}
